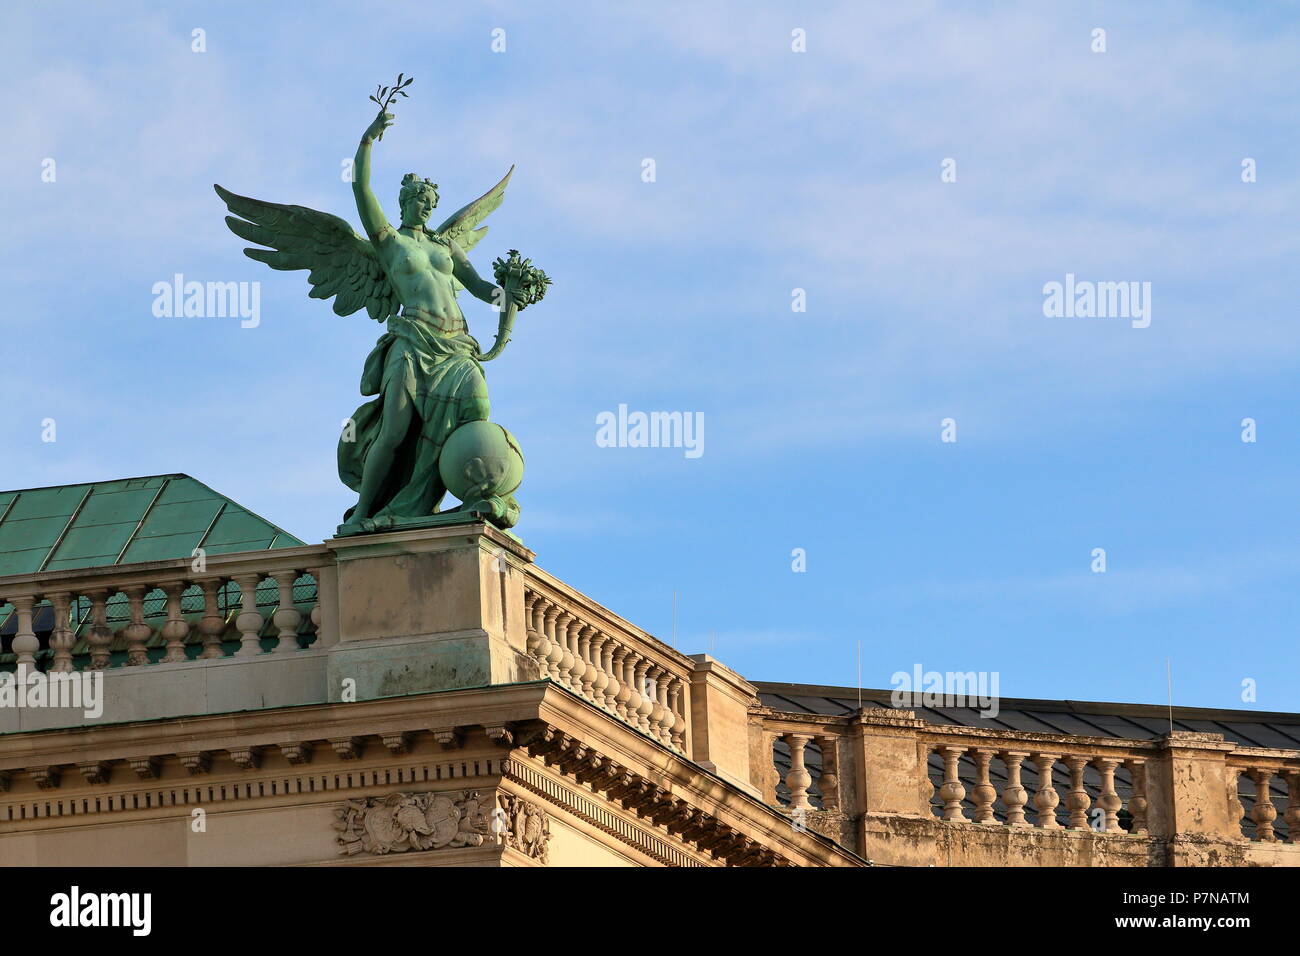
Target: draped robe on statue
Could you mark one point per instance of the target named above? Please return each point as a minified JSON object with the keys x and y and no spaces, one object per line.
{"x":445,"y":384}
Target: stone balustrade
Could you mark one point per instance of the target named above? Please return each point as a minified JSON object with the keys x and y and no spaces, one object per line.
{"x":1076,"y":783}
{"x":887,"y":782}
{"x":806,"y":769}
{"x":798,"y":779}
{"x":607,"y":661}
{"x":269,"y":605}
{"x":246,"y":605}
{"x":1256,"y":777}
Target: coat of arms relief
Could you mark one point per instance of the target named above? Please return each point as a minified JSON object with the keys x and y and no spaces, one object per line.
{"x":405,"y":822}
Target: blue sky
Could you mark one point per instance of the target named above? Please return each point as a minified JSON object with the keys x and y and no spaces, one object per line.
{"x":775,"y":170}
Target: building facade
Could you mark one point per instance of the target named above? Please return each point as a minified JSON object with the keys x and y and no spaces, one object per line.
{"x":185,"y":684}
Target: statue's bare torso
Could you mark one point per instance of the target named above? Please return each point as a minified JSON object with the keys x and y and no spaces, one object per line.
{"x":421,"y":269}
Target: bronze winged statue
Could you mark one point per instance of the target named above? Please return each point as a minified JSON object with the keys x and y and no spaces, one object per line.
{"x":397,"y":451}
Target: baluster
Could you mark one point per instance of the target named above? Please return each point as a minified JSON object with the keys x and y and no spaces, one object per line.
{"x":249,"y":622}
{"x":624,"y":693}
{"x":325,"y":612}
{"x":1236,"y":810}
{"x":532,"y":636}
{"x":679,"y":714}
{"x":572,"y":631}
{"x":601,"y":680}
{"x":798,"y":779}
{"x":648,"y":695}
{"x":62,"y":638}
{"x":543,"y":620}
{"x":1108,"y":799}
{"x":1077,"y":801}
{"x":25,"y":643}
{"x":830,"y":778}
{"x":315,"y":616}
{"x":610,"y":668}
{"x":1292,"y":815}
{"x":554,"y":650}
{"x":1263,"y":813}
{"x":540,"y":607}
{"x":1014,"y":795}
{"x":667,"y":719}
{"x":658,"y":712}
{"x":176,"y":629}
{"x":566,"y":664}
{"x":99,"y":636}
{"x":587,"y":672}
{"x":646,"y":705}
{"x":1137,"y":804}
{"x":287,"y":617}
{"x":952,"y":792}
{"x":549,"y":648}
{"x":213,"y":623}
{"x":771,"y":774}
{"x":984,"y":792}
{"x":137,"y":632}
{"x":1045,"y":797}
{"x":633,"y":688}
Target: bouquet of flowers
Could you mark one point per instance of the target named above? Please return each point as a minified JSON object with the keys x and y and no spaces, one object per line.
{"x":512,"y":272}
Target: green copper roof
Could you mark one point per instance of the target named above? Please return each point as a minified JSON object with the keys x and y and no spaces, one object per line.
{"x":124,"y":521}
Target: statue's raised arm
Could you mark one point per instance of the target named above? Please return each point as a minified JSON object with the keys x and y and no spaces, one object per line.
{"x":372,"y":214}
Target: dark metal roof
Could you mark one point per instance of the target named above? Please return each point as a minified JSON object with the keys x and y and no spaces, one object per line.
{"x":124,"y":521}
{"x":1079,"y":718}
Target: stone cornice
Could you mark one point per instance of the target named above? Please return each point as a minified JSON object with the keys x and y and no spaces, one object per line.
{"x":318,"y":751}
{"x":1256,"y":755}
{"x":726,"y":677}
{"x":691,"y":804}
{"x":398,"y":542}
{"x":494,"y":706}
{"x":938,"y":734}
{"x":588,"y":808}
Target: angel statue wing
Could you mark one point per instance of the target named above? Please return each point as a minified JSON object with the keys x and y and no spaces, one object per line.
{"x":464,"y":225}
{"x":342,"y":263}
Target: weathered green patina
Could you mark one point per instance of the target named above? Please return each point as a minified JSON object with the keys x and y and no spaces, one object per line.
{"x":426,"y":370}
{"x":124,"y":521}
{"x":103,"y":523}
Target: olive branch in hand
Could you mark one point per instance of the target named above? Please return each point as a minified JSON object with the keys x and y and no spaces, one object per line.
{"x":386,"y":95}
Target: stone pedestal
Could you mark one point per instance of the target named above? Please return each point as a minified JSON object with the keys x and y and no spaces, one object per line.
{"x":891,"y":768}
{"x":894,"y":818}
{"x":1188,"y":797}
{"x":426,"y":610}
{"x":720,"y":700}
